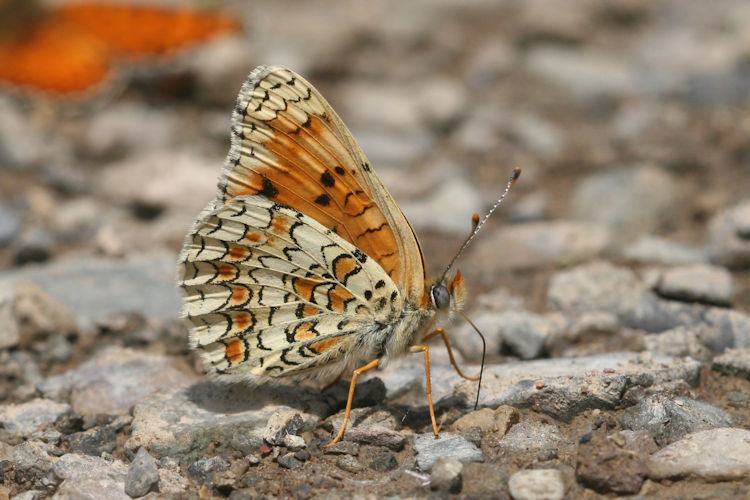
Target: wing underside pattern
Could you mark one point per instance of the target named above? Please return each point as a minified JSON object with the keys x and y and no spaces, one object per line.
{"x":271,"y":292}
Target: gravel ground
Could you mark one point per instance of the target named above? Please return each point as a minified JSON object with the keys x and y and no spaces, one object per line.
{"x":613,"y":287}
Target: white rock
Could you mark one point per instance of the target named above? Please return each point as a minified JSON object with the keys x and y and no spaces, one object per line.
{"x":539,"y":484}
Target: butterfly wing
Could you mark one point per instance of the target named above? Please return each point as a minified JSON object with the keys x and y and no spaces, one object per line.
{"x":272,"y":292}
{"x":290,"y":146}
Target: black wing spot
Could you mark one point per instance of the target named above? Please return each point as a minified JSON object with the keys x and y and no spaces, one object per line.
{"x":327,"y":179}
{"x":308,"y":122}
{"x":268,"y":190}
{"x":380,"y":284}
{"x":360,"y":255}
{"x":340,"y":170}
{"x":394,"y":295}
{"x":366,"y":167}
{"x":323,"y":200}
{"x":368,"y":294}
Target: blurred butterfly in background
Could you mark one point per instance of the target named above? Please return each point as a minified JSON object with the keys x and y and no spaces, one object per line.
{"x":76,"y":49}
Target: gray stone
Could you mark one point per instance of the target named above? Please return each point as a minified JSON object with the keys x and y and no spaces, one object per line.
{"x":734,"y":362}
{"x":367,"y":427}
{"x":462,"y":198}
{"x":113,"y":380}
{"x":712,"y":455}
{"x":669,"y":420}
{"x":90,"y":477}
{"x":526,"y":334}
{"x":531,"y":441}
{"x":280,"y":425}
{"x":383,"y":461}
{"x":349,"y":464}
{"x":597,"y":286}
{"x":430,"y":448}
{"x":541,"y":244}
{"x":289,"y":461}
{"x":9,"y":335}
{"x":728,"y":240}
{"x":143,"y":475}
{"x":183,"y":423}
{"x":719,"y":328}
{"x":629,"y":200}
{"x":563,"y":388}
{"x":343,"y":448}
{"x":30,"y":461}
{"x":34,"y":245}
{"x":293,"y":442}
{"x":649,"y":249}
{"x":203,"y":471}
{"x":537,"y":484}
{"x":485,"y":480}
{"x":10,"y":223}
{"x":94,"y":442}
{"x":696,"y":283}
{"x":93,"y":288}
{"x":24,"y":419}
{"x":446,"y":475}
{"x":680,"y":341}
{"x":587,"y":74}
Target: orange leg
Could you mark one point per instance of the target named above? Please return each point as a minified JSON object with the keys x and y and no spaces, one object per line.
{"x":442,"y":333}
{"x":426,"y":350}
{"x":352,"y":385}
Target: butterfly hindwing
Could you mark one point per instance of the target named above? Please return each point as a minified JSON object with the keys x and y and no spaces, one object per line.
{"x":270,"y":291}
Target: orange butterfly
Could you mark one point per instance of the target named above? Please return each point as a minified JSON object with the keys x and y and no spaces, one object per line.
{"x":73,"y":50}
{"x":304,"y":265}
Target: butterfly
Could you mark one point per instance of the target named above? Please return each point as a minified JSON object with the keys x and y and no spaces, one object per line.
{"x":75,"y":49}
{"x":304,"y":265}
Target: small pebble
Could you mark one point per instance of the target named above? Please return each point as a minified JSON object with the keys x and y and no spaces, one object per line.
{"x":349,"y":464}
{"x":540,"y":484}
{"x":294,"y":442}
{"x":384,"y":461}
{"x":289,"y":461}
{"x":343,"y":448}
{"x":446,"y":475}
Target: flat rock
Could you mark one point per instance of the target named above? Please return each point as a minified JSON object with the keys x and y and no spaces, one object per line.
{"x":369,"y":426}
{"x":630,"y":200}
{"x":711,"y":455}
{"x":670,"y":419}
{"x":90,"y":477}
{"x":596,"y":286}
{"x":680,"y":341}
{"x":734,"y":362}
{"x":183,"y":423}
{"x":729,"y":238}
{"x":696,"y":283}
{"x":564,"y":387}
{"x":537,"y":484}
{"x":95,"y":288}
{"x":649,"y":249}
{"x":30,"y":461}
{"x":24,"y":419}
{"x":531,"y":442}
{"x":541,"y":244}
{"x":113,"y":381}
{"x":448,"y":445}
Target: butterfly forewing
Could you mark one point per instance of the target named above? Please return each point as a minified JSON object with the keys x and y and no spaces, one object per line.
{"x":290,"y":146}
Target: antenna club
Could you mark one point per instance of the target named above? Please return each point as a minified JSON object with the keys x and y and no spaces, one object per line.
{"x":515,"y":175}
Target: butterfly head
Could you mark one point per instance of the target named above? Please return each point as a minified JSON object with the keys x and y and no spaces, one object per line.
{"x":449,"y":296}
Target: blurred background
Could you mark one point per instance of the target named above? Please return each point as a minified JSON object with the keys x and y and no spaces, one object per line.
{"x":628,"y":118}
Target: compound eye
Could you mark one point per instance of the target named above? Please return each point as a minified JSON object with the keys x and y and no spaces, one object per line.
{"x":441,"y":297}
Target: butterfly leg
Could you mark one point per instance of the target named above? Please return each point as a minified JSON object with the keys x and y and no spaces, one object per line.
{"x":447,"y":342}
{"x":425,"y":349}
{"x":352,"y":385}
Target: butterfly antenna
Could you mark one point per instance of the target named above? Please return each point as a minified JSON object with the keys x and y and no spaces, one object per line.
{"x":484,"y":350}
{"x":479,"y":223}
